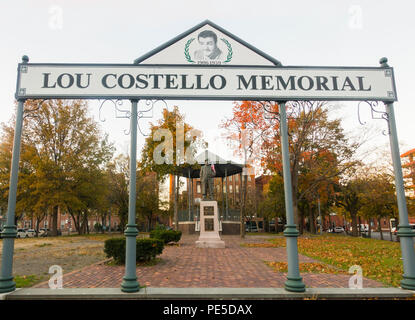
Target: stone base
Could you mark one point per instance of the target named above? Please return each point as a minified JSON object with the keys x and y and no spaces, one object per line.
{"x":210,"y":243}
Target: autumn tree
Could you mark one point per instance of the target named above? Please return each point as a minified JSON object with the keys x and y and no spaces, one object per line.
{"x":313,"y":139}
{"x":118,"y":183}
{"x":349,"y":196}
{"x":273,"y":204}
{"x":148,"y":200}
{"x":63,"y":152}
{"x":379,"y":200}
{"x":171,"y":143}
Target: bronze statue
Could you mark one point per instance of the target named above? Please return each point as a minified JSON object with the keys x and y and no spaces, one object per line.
{"x":207,"y":172}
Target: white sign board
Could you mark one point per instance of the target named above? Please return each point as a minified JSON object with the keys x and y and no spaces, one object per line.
{"x":70,"y":81}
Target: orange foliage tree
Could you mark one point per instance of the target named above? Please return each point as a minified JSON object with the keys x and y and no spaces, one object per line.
{"x":319,"y":150}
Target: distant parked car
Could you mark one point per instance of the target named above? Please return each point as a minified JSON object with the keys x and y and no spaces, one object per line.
{"x":21,"y":233}
{"x":31,"y":233}
{"x":251,"y":228}
{"x":43,"y":232}
{"x":338,"y":230}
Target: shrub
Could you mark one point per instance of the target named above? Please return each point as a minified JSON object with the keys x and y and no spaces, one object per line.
{"x":97,"y":227}
{"x":146,"y":249}
{"x":166,"y":235}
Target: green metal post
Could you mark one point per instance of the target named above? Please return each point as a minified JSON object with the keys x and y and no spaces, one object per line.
{"x":294,"y":282}
{"x":188,"y":194}
{"x":9,"y":233}
{"x":130,"y":283}
{"x":404,"y":232}
{"x":226,"y":195}
{"x":223,"y":201}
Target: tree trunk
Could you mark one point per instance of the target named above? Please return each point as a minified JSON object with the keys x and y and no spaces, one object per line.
{"x":311,"y":217}
{"x":243,"y":204}
{"x":300,"y":221}
{"x":37,"y":226}
{"x":370,"y":227}
{"x":354,"y":224}
{"x":390,"y":230}
{"x":359,"y":230}
{"x":380,"y":228}
{"x":103,"y":220}
{"x":54,"y":231}
{"x":86,"y":223}
{"x":175,"y":191}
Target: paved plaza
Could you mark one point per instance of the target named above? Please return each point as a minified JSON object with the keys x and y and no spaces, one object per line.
{"x":185,"y":266}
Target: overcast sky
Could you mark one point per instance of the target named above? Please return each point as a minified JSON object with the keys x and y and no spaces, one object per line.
{"x":314,"y":33}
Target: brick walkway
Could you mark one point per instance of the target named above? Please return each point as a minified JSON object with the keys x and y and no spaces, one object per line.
{"x":186,"y":266}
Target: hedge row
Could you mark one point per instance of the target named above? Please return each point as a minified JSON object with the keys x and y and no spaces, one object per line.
{"x":146,"y":249}
{"x":166,"y":235}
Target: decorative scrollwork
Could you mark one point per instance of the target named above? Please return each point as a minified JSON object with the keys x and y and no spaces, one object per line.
{"x":376,"y":114}
{"x":119,"y":113}
{"x":268,"y":113}
{"x":146,"y":113}
{"x":149,"y":107}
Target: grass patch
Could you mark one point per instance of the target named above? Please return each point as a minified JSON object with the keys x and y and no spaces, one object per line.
{"x":271,"y":234}
{"x":43,"y":245}
{"x":309,"y":267}
{"x":26,"y":281}
{"x":379,"y":259}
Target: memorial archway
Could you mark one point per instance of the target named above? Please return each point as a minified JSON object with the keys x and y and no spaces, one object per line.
{"x":207,"y":63}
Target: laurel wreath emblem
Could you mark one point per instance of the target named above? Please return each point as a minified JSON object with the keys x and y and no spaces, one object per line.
{"x":230,"y":51}
{"x":186,"y":50}
{"x":189,"y":58}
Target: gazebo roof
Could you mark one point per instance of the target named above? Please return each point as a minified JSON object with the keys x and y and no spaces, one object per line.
{"x":222,"y":166}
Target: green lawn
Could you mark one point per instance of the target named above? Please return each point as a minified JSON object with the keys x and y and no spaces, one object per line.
{"x":26,"y":281}
{"x":380,"y":260}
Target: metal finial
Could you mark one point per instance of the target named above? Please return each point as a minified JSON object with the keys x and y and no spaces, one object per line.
{"x":25,"y":59}
{"x":384,"y":62}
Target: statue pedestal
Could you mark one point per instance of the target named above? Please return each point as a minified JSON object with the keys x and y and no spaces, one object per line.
{"x":209,"y":226}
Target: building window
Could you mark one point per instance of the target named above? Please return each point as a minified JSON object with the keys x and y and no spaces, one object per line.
{"x":237,"y":178}
{"x":237,"y":188}
{"x":230,"y":178}
{"x":198,"y":187}
{"x":230,"y":188}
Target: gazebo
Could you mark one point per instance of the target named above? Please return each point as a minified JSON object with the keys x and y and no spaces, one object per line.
{"x":229,"y":220}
